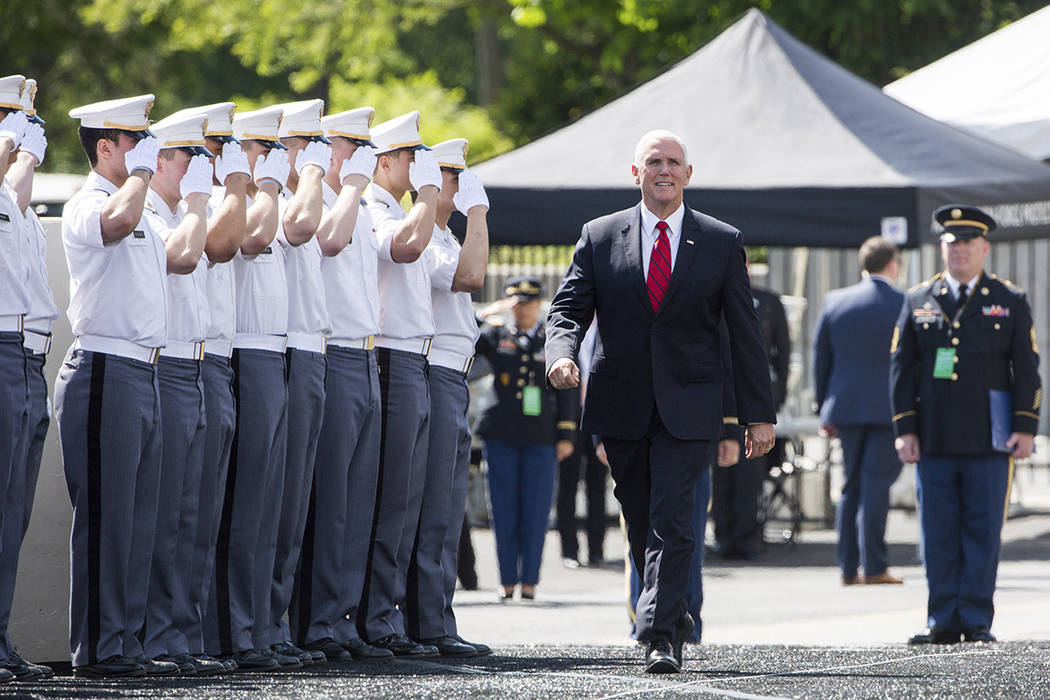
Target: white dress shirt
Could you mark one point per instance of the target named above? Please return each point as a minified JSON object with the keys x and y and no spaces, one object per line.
{"x":43,"y":311}
{"x":953,"y":284}
{"x":308,"y":319}
{"x":351,"y":280}
{"x":404,"y":288}
{"x":650,"y":233}
{"x":117,"y":290}
{"x":14,"y":296}
{"x":188,"y":314}
{"x":262,"y":294}
{"x":457,"y":327}
{"x":221,"y":289}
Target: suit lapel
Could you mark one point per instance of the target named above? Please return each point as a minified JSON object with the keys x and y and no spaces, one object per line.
{"x":688,"y":242}
{"x":631,"y":236}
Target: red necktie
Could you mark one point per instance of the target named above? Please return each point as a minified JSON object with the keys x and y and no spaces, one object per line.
{"x":659,"y":267}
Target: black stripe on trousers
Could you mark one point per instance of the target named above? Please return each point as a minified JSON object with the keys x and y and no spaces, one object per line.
{"x":383,"y":359}
{"x":302,"y":593}
{"x":94,"y":490}
{"x":222,"y":544}
{"x":412,"y":612}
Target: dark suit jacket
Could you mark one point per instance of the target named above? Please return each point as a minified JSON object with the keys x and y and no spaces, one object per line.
{"x":773,"y":320}
{"x":670,"y":358}
{"x":851,"y":353}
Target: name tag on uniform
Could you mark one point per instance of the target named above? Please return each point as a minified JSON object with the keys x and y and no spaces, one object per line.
{"x":5,"y":218}
{"x":530,"y":401}
{"x":137,"y":238}
{"x":944,"y":363}
{"x":268,"y":250}
{"x":139,"y":234}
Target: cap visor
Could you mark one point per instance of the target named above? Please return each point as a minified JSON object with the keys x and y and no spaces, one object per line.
{"x":200,"y":151}
{"x":139,"y":135}
{"x":34,"y":119}
{"x":274,"y":144}
{"x":223,"y":139}
{"x":364,"y":142}
{"x":321,"y":139}
{"x":421,"y":147}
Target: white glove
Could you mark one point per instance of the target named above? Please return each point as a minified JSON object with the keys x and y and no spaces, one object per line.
{"x":361,"y":162}
{"x":34,"y":142}
{"x":315,"y":153}
{"x":424,"y":171}
{"x":14,"y":127}
{"x":231,"y":160}
{"x":197,"y":179}
{"x":273,"y":167}
{"x":143,"y":156}
{"x":471,"y":193}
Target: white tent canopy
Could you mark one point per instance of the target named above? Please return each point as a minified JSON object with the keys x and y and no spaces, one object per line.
{"x":997,"y":87}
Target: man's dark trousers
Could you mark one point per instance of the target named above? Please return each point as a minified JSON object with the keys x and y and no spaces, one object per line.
{"x":872,"y":466}
{"x":594,"y":475}
{"x":656,"y":486}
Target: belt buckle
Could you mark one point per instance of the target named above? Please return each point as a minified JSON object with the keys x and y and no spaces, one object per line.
{"x":154,"y":355}
{"x":198,"y":350}
{"x":47,"y":344}
{"x":426,"y":346}
{"x":468,"y":364}
{"x":324,"y":345}
{"x":370,"y":343}
{"x":21,"y":323}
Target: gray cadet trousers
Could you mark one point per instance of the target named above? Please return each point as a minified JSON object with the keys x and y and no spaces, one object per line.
{"x":108,"y":412}
{"x":182,"y":427}
{"x":306,"y":406}
{"x":247,"y":537}
{"x":342,"y":501}
{"x":427,"y":599}
{"x":21,"y":408}
{"x":402,"y":464}
{"x":220,"y":412}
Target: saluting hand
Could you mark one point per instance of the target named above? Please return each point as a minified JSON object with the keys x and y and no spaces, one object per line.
{"x":564,"y":374}
{"x":758,"y":439}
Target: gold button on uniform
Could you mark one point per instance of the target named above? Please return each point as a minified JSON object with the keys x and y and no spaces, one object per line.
{"x":955,"y":377}
{"x":524,"y":358}
{"x":997,"y":326}
{"x":521,"y":382}
{"x":925,"y":326}
{"x":523,"y":370}
{"x":955,"y":341}
{"x":956,"y":324}
{"x":518,"y":395}
{"x":956,"y":359}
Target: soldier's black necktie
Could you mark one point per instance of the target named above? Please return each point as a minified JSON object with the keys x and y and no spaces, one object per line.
{"x":962,"y":294}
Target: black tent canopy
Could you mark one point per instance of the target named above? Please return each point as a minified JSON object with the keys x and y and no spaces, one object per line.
{"x":785,"y":144}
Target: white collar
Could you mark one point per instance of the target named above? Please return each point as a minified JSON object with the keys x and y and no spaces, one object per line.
{"x":953,"y":284}
{"x":380,"y":194}
{"x":674,"y":222}
{"x":97,"y":181}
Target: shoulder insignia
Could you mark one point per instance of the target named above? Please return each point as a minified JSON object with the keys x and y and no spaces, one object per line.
{"x":1007,"y":283}
{"x":927,"y":283}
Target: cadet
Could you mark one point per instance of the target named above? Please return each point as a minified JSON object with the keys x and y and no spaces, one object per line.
{"x":176,"y":207}
{"x":966,"y":395}
{"x":226,"y":226}
{"x":308,"y":328}
{"x":331,"y":572}
{"x":406,"y":325}
{"x":259,"y":388}
{"x":527,"y":429}
{"x":107,"y":397}
{"x":18,"y":504}
{"x":454,"y":273}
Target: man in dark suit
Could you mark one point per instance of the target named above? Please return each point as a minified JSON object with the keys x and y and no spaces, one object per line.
{"x":851,"y":370}
{"x":966,"y":398}
{"x":659,"y":276}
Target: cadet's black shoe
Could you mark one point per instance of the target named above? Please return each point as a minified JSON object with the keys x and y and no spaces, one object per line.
{"x":481,"y":649}
{"x":660,"y":659}
{"x":684,"y":631}
{"x":252,"y":660}
{"x":363,"y":651}
{"x":157,"y":668}
{"x":183,"y":661}
{"x":227,"y":664}
{"x":403,"y":646}
{"x":25,"y":671}
{"x":332,"y":650}
{"x":115,"y":666}
{"x":450,"y":646}
{"x":978,"y":634}
{"x":306,"y":658}
{"x":935,"y":635}
{"x":286,"y":662}
{"x":6,"y":676}
{"x":203,"y":665}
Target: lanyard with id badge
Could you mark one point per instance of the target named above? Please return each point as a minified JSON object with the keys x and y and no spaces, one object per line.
{"x":531,"y":396}
{"x":944,"y":361}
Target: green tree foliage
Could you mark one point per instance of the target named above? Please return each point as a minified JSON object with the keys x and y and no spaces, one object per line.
{"x":499,"y":72}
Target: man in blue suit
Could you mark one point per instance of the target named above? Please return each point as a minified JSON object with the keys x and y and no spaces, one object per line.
{"x":852,"y":370}
{"x":659,"y":276}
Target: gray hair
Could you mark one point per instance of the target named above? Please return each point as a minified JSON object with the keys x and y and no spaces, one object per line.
{"x":654,"y":135}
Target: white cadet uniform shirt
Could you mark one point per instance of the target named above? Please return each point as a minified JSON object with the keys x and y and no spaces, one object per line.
{"x":188,"y":314}
{"x":404,"y":288}
{"x":457,"y":327}
{"x":221,"y":290}
{"x":308,"y":318}
{"x":14,"y":295}
{"x":351,"y":279}
{"x":43,"y":311}
{"x":262,"y":292}
{"x":117,"y":290}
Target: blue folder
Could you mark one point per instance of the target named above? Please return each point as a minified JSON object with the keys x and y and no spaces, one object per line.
{"x":1000,"y":411}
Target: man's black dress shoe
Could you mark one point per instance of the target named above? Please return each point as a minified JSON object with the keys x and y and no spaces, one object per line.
{"x":660,"y":659}
{"x":935,"y":635}
{"x":306,"y":657}
{"x":332,"y":650}
{"x":286,"y":662}
{"x":202,"y":665}
{"x":450,"y":646}
{"x":157,"y":668}
{"x":403,"y":646}
{"x":684,"y":631}
{"x":24,"y":670}
{"x":252,"y":660}
{"x":481,"y":649}
{"x":115,"y":666}
{"x":185,"y":663}
{"x":6,"y":676}
{"x":363,"y":651}
{"x":978,"y":634}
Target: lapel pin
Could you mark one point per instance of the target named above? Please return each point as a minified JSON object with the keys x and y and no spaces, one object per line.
{"x":689,"y":241}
